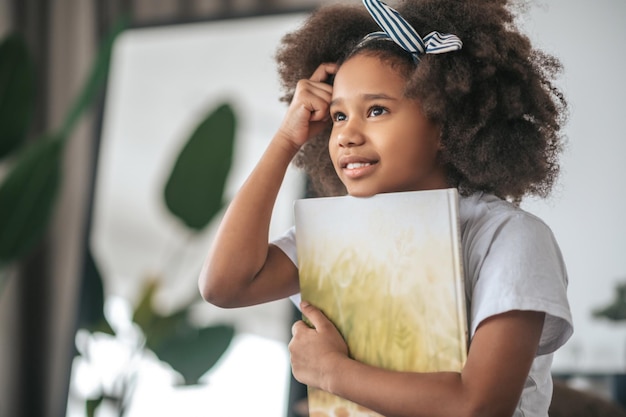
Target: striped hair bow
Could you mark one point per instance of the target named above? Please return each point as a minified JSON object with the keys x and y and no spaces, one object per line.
{"x":402,"y":33}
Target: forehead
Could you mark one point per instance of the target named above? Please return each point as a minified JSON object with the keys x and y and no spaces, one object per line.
{"x":368,"y":72}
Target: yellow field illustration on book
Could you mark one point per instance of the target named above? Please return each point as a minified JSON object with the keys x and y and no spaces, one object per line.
{"x":387,"y":272}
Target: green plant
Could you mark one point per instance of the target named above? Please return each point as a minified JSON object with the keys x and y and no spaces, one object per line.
{"x":28,"y":192}
{"x":193,"y":194}
{"x":616,"y":310}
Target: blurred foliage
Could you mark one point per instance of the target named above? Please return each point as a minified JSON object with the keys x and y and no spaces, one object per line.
{"x":17,"y":93}
{"x":616,"y":310}
{"x":195,"y":187}
{"x":201,"y":168}
{"x":191,"y":351}
{"x":27,"y":197}
{"x":28,"y":192}
{"x":91,"y":302}
{"x":194,"y":194}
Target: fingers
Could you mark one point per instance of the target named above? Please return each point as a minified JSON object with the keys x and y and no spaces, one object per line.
{"x":321,"y":87}
{"x":308,"y":113}
{"x":315,"y":98}
{"x":299,"y":326}
{"x":323,"y":72}
{"x":315,"y":316}
{"x":315,"y":351}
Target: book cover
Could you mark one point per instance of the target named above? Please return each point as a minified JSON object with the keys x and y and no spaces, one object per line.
{"x":387,"y":271}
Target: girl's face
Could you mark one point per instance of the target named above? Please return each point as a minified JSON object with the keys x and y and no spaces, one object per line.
{"x":380,"y":141}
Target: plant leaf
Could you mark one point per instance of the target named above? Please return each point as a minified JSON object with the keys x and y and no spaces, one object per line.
{"x":91,"y":301}
{"x":195,"y":187}
{"x":192,"y":354}
{"x":17,"y":88}
{"x":143,"y":314}
{"x":95,"y":81}
{"x":163,"y":328}
{"x":616,"y":311}
{"x":187,"y":349}
{"x":92,"y":404}
{"x":27,"y":197}
{"x":155,"y":326}
{"x":4,"y":274}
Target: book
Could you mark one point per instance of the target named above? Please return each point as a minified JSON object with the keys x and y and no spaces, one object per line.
{"x":387,"y":271}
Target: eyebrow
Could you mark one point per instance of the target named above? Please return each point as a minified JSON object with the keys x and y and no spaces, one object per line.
{"x":367,"y":97}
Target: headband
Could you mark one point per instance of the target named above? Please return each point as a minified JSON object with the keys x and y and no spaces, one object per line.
{"x":402,"y":33}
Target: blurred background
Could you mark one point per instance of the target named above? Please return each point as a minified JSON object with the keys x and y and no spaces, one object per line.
{"x":111,"y":111}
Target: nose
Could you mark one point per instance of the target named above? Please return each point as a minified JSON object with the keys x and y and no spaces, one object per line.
{"x":350,"y":134}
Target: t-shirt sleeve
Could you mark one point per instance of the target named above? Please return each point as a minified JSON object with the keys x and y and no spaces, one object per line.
{"x":523,"y":269}
{"x":287,"y":243}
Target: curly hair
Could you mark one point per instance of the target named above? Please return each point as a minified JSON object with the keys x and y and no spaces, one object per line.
{"x":495,"y":101}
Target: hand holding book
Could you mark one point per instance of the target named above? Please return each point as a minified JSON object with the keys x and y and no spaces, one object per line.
{"x":315,"y":350}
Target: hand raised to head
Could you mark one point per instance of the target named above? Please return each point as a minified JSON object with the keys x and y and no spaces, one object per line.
{"x":308,"y":112}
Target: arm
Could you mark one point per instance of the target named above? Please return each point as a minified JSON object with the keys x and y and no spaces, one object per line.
{"x":241,"y":267}
{"x":499,"y":360}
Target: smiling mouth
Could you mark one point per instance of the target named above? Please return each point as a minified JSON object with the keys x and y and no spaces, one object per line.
{"x":357,"y":169}
{"x":355,"y":165}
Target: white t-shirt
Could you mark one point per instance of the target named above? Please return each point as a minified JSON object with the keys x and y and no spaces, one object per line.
{"x":511,"y":262}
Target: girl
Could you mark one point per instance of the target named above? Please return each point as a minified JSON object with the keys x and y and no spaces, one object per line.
{"x":374,"y":108}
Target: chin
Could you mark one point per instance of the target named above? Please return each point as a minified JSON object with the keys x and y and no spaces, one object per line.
{"x":362,"y":193}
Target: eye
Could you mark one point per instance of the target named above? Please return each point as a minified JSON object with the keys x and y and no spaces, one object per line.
{"x":339,"y":116}
{"x":377,"y":111}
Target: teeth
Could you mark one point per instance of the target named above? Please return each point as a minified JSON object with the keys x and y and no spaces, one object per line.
{"x":354,"y":165}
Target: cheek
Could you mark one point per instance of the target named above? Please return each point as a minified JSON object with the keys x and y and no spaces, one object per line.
{"x":332,"y":147}
{"x":433,"y":133}
{"x":419,"y":151}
